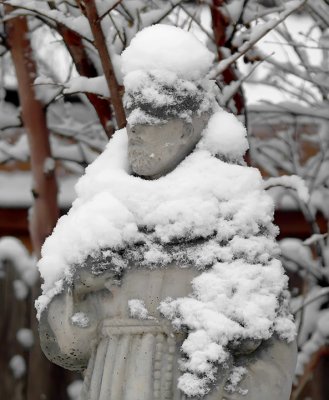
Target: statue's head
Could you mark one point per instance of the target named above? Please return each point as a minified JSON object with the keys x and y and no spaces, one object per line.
{"x":167,"y":98}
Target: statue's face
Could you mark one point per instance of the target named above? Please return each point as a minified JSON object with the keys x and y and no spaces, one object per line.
{"x":155,"y":150}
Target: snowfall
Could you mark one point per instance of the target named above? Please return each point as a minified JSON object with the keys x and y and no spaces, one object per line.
{"x":211,"y":213}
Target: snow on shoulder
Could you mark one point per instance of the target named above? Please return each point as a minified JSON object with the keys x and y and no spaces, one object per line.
{"x":230,"y":142}
{"x":166,"y":47}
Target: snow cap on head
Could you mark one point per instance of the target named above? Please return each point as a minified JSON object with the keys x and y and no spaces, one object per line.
{"x":166,"y":47}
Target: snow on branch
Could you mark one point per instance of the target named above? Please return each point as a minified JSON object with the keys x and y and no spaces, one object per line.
{"x":289,"y":68}
{"x":83,"y":84}
{"x":39,"y":9}
{"x":17,"y":151}
{"x":232,"y":88}
{"x":258,"y":32}
{"x":80,"y":84}
{"x":314,"y":238}
{"x":292,"y":182}
{"x":290,"y":108}
{"x":156,"y":16}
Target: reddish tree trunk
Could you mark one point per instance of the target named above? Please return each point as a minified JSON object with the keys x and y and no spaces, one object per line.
{"x":90,"y":10}
{"x":44,"y":212}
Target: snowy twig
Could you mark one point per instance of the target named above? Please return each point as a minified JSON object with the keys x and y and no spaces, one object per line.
{"x":322,"y":292}
{"x":255,"y":37}
{"x":230,"y":90}
{"x":204,"y":30}
{"x":292,"y":182}
{"x":54,"y":16}
{"x":314,"y":238}
{"x":109,"y":10}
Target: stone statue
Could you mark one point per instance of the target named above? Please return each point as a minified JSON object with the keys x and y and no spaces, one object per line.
{"x":111,"y":321}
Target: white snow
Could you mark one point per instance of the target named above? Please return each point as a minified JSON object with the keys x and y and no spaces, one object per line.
{"x":137,"y":309}
{"x":236,"y":376}
{"x":319,"y":338}
{"x":148,"y":92}
{"x":232,"y":300}
{"x":74,"y":389}
{"x":225,"y":135}
{"x":165,"y":47}
{"x":18,"y":366}
{"x":80,"y":319}
{"x":316,"y":237}
{"x":18,"y":190}
{"x":49,"y":165}
{"x":17,"y":151}
{"x":81,"y":84}
{"x":13,"y":250}
{"x":8,"y":115}
{"x":25,"y":337}
{"x":20,"y":289}
{"x":292,"y":181}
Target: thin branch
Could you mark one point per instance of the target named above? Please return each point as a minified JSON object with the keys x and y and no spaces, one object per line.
{"x":109,"y":10}
{"x":322,"y":292}
{"x":43,"y":16}
{"x":204,"y":30}
{"x":237,"y":84}
{"x":223,"y":65}
{"x":100,"y":43}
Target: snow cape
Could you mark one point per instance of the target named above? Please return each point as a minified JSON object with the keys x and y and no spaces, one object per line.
{"x":210,"y":213}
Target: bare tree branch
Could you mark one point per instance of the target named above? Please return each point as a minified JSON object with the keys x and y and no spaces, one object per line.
{"x":269,"y":26}
{"x":100,"y":43}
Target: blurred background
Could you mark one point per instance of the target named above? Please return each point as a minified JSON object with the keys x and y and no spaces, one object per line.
{"x":61,"y":100}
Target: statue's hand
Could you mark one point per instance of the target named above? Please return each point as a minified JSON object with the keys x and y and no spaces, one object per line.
{"x":69,"y":325}
{"x":244,"y":347}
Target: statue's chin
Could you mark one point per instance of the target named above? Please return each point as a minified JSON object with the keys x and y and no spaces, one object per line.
{"x":148,"y":172}
{"x":152,"y":168}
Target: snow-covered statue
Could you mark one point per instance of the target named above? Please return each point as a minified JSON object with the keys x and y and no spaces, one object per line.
{"x":163,"y":282}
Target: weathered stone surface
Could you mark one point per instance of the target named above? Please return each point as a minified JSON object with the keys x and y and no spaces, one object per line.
{"x":132,"y":359}
{"x":155,"y":150}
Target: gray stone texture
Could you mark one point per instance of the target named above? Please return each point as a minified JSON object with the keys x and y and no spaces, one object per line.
{"x":155,"y":150}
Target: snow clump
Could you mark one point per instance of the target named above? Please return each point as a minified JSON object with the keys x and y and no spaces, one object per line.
{"x":18,"y":366}
{"x":13,"y":250}
{"x":80,"y":319}
{"x":25,"y":337}
{"x":137,"y":309}
{"x":74,"y":389}
{"x":236,"y":376}
{"x":166,"y":47}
